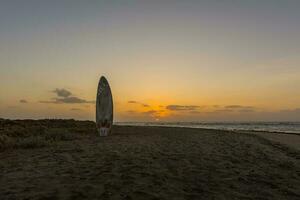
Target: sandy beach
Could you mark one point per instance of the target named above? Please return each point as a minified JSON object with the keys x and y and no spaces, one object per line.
{"x":291,"y":140}
{"x":65,"y":159}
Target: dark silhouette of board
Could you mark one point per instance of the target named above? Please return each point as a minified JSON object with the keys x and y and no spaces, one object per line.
{"x":104,"y":105}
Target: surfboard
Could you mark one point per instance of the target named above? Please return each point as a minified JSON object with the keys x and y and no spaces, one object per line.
{"x":104,"y":107}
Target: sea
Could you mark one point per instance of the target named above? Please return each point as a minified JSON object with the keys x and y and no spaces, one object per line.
{"x":280,"y":127}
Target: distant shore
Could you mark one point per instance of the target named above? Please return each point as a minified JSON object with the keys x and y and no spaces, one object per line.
{"x":66,"y":159}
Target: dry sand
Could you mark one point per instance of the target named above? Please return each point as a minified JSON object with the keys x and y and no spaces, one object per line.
{"x":144,"y":163}
{"x":291,"y":140}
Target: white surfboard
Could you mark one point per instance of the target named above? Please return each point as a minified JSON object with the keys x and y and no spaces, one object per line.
{"x":104,"y":107}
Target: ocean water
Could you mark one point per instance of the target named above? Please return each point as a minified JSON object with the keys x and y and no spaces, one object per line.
{"x":286,"y":127}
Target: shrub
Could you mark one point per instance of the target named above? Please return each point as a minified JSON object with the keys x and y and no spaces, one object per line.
{"x":31,"y":142}
{"x":5,"y":142}
{"x":58,"y":134}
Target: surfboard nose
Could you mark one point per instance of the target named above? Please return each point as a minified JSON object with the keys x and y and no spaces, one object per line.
{"x":103,"y":79}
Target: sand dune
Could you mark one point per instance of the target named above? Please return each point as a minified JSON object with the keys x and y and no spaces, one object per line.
{"x":142,"y":163}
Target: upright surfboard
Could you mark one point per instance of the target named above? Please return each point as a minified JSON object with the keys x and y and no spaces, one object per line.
{"x":104,"y":106}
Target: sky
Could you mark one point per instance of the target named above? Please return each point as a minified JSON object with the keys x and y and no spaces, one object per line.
{"x":176,"y":60}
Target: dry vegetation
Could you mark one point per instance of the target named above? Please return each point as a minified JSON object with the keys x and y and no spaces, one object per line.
{"x":40,"y":133}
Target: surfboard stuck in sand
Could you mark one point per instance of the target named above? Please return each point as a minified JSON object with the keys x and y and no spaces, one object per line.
{"x":104,"y":108}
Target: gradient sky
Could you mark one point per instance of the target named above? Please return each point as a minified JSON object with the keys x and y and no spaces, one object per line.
{"x":188,"y":60}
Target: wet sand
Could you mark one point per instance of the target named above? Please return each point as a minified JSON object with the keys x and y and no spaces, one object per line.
{"x":143,"y":163}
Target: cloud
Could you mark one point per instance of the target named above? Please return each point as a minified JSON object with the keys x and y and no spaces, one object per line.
{"x":218,"y":114}
{"x":66,"y":97}
{"x":247,"y":110}
{"x":23,"y":101}
{"x":224,"y":110}
{"x":68,"y":100}
{"x":139,"y":103}
{"x":238,"y":107}
{"x":151,"y":112}
{"x":182,"y":107}
{"x":62,"y":92}
{"x":71,"y":100}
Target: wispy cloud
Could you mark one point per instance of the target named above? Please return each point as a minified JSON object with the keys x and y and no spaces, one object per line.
{"x":72,"y":100}
{"x":193,"y":111}
{"x":66,"y":97}
{"x":132,"y":102}
{"x":67,"y":100}
{"x":234,"y":109}
{"x":23,"y":101}
{"x":246,"y":110}
{"x":211,"y":109}
{"x":139,"y":103}
{"x":238,"y":107}
{"x":223,"y":110}
{"x":211,"y":112}
{"x":151,"y":112}
{"x":182,"y":107}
